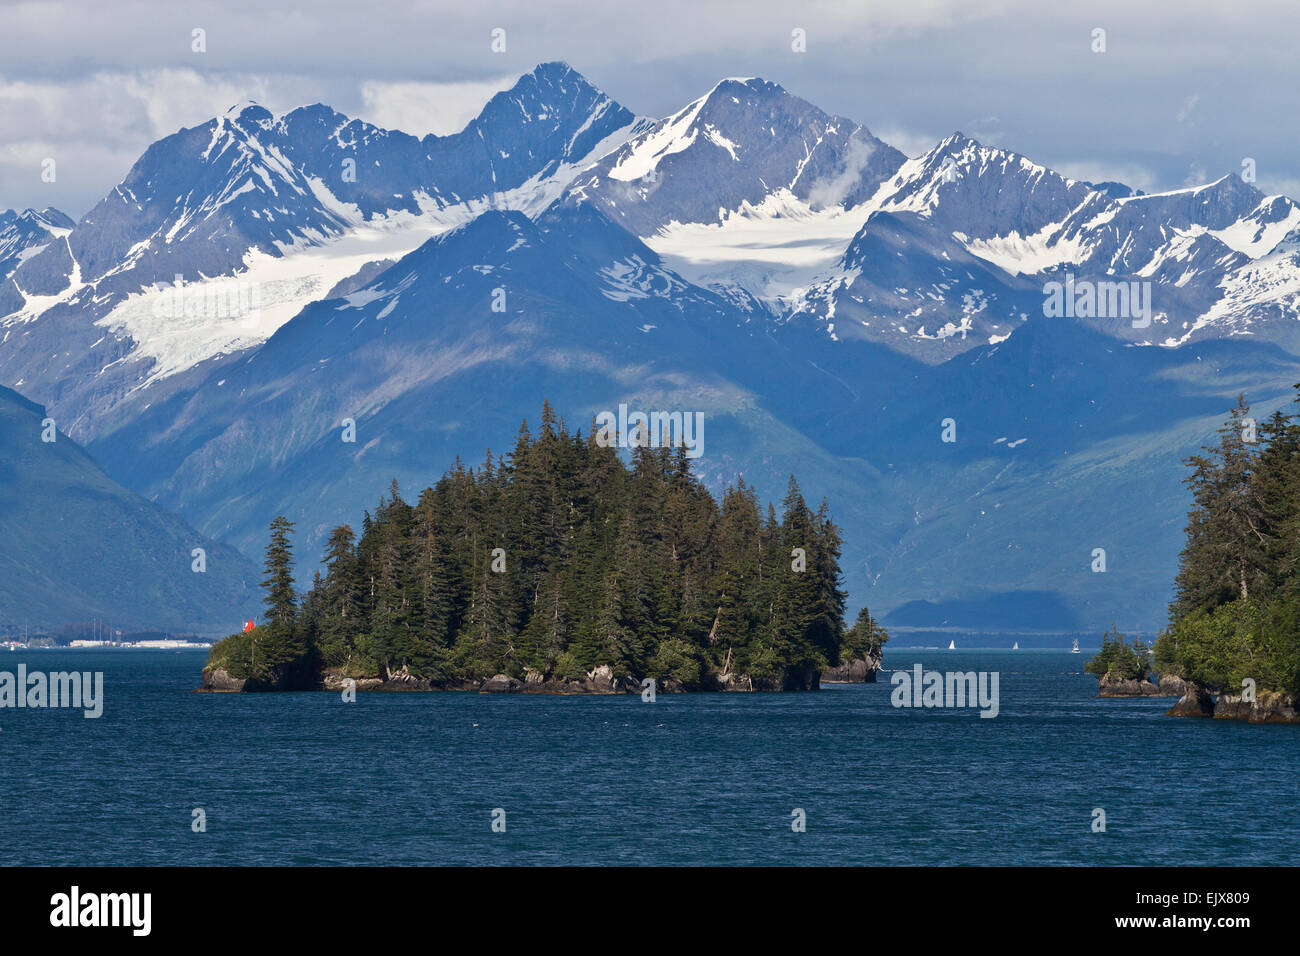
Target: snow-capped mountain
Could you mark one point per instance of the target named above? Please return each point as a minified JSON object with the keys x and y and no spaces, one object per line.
{"x":259,"y":215}
{"x":826,"y":301}
{"x":24,"y":234}
{"x":794,"y":215}
{"x":931,"y":255}
{"x":747,"y":189}
{"x":957,"y":247}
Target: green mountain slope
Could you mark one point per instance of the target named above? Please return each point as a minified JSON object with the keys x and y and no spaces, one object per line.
{"x":75,"y":545}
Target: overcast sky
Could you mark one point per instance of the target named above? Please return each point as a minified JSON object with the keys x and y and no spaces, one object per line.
{"x":1183,"y":93}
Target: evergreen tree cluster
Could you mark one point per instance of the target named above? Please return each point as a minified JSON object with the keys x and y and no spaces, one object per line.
{"x":1236,"y":610}
{"x":865,"y":640}
{"x":559,"y":558}
{"x":1121,"y":659}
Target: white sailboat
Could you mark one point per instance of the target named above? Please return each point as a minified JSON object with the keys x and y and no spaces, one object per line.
{"x":1075,"y":648}
{"x":1015,"y":646}
{"x":952,"y":645}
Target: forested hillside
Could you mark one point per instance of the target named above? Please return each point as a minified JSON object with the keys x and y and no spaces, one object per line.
{"x":1236,"y":614}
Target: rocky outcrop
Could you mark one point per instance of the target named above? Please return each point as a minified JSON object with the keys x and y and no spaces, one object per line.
{"x":733,"y":682}
{"x":403,"y":680}
{"x":1197,"y":702}
{"x":1171,"y":685}
{"x":339,"y":682}
{"x":502,"y":684}
{"x":1111,"y":685}
{"x":861,"y":671}
{"x":805,"y":678}
{"x":219,"y":679}
{"x":556,"y":686}
{"x":601,"y":680}
{"x":1268,"y":707}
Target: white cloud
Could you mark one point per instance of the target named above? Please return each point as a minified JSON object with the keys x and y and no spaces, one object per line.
{"x":911,"y":143}
{"x":97,"y":125}
{"x":1272,"y":186}
{"x":1196,"y":175}
{"x":831,"y":190}
{"x":1100,"y":171}
{"x":1189,"y":104}
{"x":176,"y":99}
{"x":420,"y":108}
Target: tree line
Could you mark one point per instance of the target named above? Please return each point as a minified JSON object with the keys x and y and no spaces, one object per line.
{"x":558,"y":558}
{"x":1236,"y":608}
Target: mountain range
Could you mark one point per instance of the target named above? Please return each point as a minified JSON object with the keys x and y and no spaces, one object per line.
{"x":834,"y":308}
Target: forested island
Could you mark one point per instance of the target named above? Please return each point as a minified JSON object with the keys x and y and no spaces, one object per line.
{"x":561,"y":568}
{"x":1232,"y":648}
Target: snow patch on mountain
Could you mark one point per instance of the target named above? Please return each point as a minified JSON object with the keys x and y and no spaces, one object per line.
{"x":774,"y":249}
{"x":674,"y":135}
{"x":178,"y":338}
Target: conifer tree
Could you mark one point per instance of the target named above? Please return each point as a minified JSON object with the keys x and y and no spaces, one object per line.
{"x":864,"y":639}
{"x":1226,"y":553}
{"x":281,"y":602}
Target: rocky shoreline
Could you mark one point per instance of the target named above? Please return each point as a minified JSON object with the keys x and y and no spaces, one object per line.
{"x":862,"y":671}
{"x":1169,"y":686}
{"x":601,"y":680}
{"x":1268,"y":707}
{"x":1197,"y":700}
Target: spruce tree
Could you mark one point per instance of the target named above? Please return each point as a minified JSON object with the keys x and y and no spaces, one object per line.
{"x":281,"y":602}
{"x":1225,"y":557}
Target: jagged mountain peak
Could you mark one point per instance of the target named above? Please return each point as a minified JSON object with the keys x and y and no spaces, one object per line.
{"x":959,"y":157}
{"x":23,"y":235}
{"x":552,"y":92}
{"x":754,"y":88}
{"x":49,"y":217}
{"x":497,"y":230}
{"x":247,"y":111}
{"x":744,"y":143}
{"x":979,"y":192}
{"x":1228,"y":189}
{"x":551,"y":117}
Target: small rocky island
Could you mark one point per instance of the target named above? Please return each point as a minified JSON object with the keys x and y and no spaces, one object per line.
{"x":561,"y":569}
{"x":1123,"y":669}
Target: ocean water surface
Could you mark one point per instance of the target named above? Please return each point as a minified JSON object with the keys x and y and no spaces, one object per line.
{"x":689,"y":779}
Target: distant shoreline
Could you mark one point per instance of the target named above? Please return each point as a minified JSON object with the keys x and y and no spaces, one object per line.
{"x":112,"y":647}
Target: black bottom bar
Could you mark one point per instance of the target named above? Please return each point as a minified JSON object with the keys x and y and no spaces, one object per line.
{"x":342,"y":904}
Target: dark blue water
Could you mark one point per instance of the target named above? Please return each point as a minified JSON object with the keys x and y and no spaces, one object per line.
{"x":690,"y":779}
